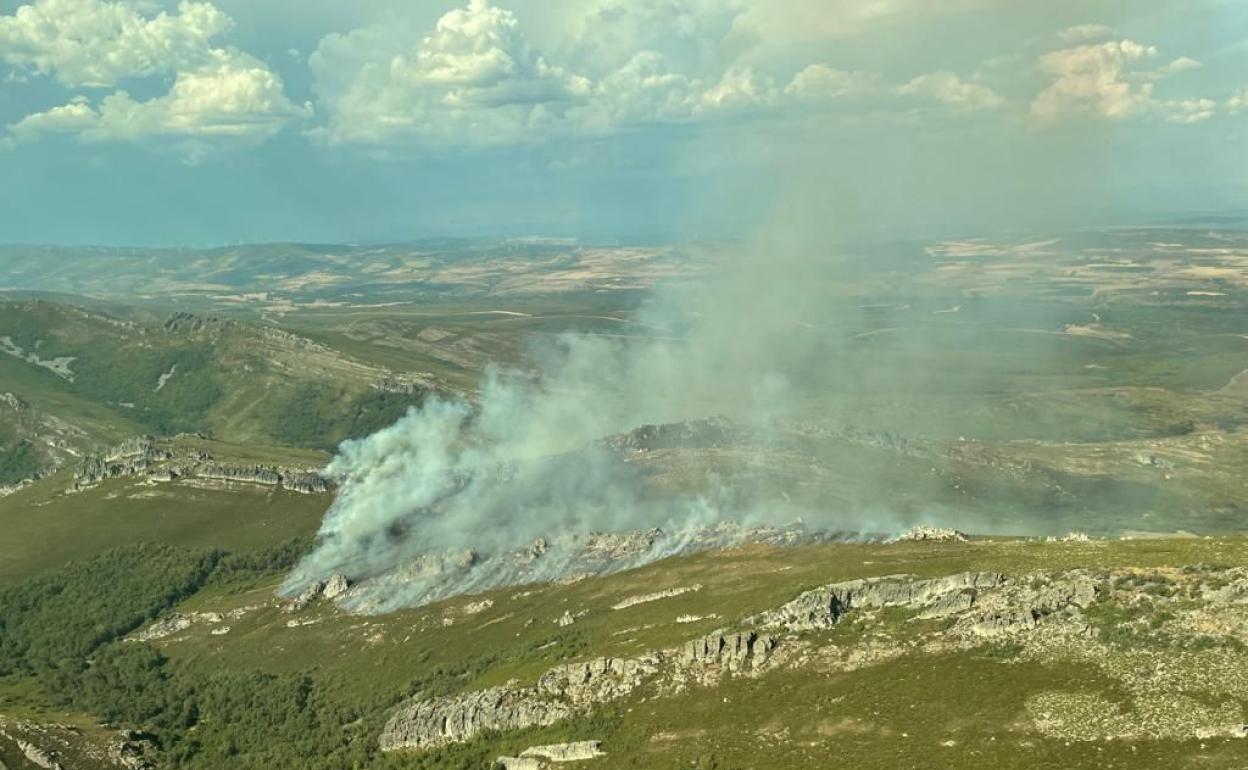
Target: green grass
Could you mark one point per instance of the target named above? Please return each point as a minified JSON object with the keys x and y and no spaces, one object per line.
{"x":896,"y":714}
{"x":341,"y":675}
{"x":45,"y":529}
{"x":901,"y":714}
{"x":348,"y":654}
{"x":48,"y":393}
{"x":18,"y":462}
{"x":322,"y":416}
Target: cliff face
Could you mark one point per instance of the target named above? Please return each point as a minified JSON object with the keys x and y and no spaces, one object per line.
{"x":974,"y":604}
{"x":163,"y":462}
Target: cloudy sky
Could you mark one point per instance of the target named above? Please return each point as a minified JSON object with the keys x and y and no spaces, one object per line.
{"x":215,"y":121}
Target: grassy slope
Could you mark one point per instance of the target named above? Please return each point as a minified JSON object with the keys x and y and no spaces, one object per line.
{"x":232,"y":380}
{"x":49,"y":393}
{"x":737,"y":583}
{"x":893,"y":715}
{"x":44,"y":527}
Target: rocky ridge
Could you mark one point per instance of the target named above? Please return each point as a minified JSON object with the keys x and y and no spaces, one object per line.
{"x":53,"y":746}
{"x":157,"y":461}
{"x":768,"y":640}
{"x":435,"y":576}
{"x":1045,"y":616}
{"x":538,"y":757}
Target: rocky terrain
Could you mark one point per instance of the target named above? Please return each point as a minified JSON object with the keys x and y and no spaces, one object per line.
{"x":1044,"y":616}
{"x":145,"y":458}
{"x":1113,"y":403}
{"x":67,"y":747}
{"x":436,"y":576}
{"x":47,"y":441}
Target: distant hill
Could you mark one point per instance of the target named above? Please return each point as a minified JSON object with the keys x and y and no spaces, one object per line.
{"x":76,"y":379}
{"x":282,"y":277}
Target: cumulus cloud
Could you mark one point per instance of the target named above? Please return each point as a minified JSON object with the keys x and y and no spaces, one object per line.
{"x":818,"y":20}
{"x":819,"y":82}
{"x":217,"y":93}
{"x":1114,"y":80}
{"x":1094,"y":78}
{"x":474,"y":74}
{"x":237,"y":97}
{"x":95,"y":44}
{"x":1181,"y":64}
{"x":1085,"y":33}
{"x":1188,"y":111}
{"x":1237,"y":102}
{"x":477,"y":79}
{"x":949,"y":89}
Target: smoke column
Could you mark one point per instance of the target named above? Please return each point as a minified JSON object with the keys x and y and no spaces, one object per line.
{"x":524,"y":462}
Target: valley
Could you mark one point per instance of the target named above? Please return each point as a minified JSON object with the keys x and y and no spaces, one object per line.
{"x":163,"y":461}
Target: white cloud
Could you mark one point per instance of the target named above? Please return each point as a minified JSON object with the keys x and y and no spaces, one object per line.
{"x":821,"y":20}
{"x":1181,"y":64}
{"x":475,"y":75}
{"x":1237,"y":102}
{"x":645,"y":89}
{"x":476,"y":78}
{"x":1188,"y":111}
{"x":1085,"y":33}
{"x":95,"y":44}
{"x":820,"y":82}
{"x":235,"y":98}
{"x":1095,"y":79}
{"x":698,"y":38}
{"x":1111,"y":80}
{"x":477,"y":55}
{"x":951,"y":90}
{"x":217,"y":93}
{"x":740,"y":88}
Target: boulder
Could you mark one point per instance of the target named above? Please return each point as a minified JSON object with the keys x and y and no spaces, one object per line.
{"x":336,"y":586}
{"x":921,"y":533}
{"x":565,"y":752}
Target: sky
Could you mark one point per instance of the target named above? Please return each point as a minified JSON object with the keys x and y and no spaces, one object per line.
{"x":207,"y":122}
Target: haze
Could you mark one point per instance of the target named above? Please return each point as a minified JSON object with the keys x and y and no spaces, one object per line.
{"x":210,"y":123}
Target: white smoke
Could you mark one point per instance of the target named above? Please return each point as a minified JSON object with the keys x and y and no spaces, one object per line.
{"x":464,"y":481}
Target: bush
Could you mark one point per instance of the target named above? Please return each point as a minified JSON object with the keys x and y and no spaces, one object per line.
{"x":56,"y":620}
{"x":319,"y":416}
{"x":20,"y":462}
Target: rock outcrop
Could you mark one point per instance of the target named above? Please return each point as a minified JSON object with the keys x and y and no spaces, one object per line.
{"x":734,"y":651}
{"x":443,"y":721}
{"x":304,"y":482}
{"x":431,"y":577}
{"x":131,"y":457}
{"x":565,"y":752}
{"x":925,"y":534}
{"x":938,"y":597}
{"x":666,"y":593}
{"x":713,"y":432}
{"x":253,"y":474}
{"x":538,"y":757}
{"x":974,"y":606}
{"x":176,"y":622}
{"x":157,"y":462}
{"x":558,"y":694}
{"x":336,"y":586}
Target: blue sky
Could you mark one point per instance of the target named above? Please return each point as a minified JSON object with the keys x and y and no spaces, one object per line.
{"x":216,"y":121}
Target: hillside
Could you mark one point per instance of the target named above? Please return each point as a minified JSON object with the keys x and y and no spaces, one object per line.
{"x":104,"y":377}
{"x":283,"y":278}
{"x":1018,"y":389}
{"x":985,"y":653}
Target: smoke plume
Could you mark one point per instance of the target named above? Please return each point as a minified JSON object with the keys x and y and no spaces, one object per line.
{"x":455,"y":484}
